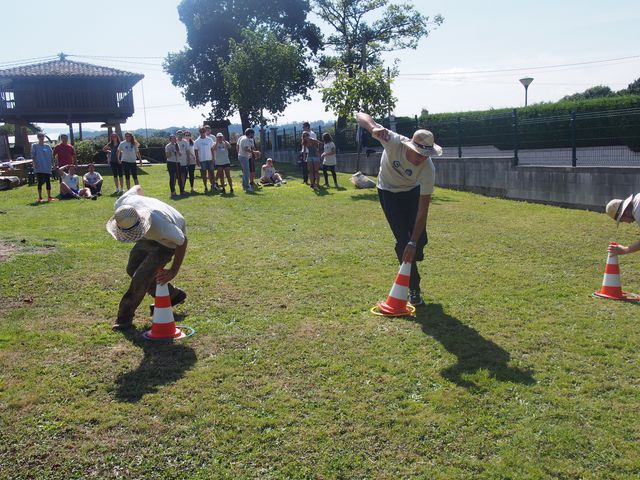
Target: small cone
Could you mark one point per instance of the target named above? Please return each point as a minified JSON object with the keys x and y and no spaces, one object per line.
{"x":163,"y":325}
{"x":396,"y":303}
{"x":611,"y":285}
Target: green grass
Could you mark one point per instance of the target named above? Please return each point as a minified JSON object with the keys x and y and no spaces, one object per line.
{"x":511,"y":370}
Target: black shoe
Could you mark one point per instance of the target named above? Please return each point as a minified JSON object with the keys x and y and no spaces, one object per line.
{"x":415,"y":298}
{"x":180,"y":297}
{"x":94,"y":197}
{"x":119,"y":326}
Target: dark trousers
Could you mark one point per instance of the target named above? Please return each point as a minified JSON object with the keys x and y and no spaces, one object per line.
{"x":130,"y":170}
{"x":192,"y":174}
{"x":145,"y":258}
{"x":305,"y":172}
{"x":401,"y":209}
{"x":96,"y":189}
{"x":179,"y":173}
{"x":332,"y":169}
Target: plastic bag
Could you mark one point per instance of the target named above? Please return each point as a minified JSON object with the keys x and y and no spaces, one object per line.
{"x":360,"y":180}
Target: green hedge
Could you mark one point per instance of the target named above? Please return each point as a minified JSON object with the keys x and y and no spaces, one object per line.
{"x":599,"y":122}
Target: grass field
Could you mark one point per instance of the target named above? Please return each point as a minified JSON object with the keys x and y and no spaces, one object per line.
{"x":511,"y":370}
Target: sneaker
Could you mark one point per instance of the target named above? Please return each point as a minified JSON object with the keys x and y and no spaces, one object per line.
{"x":224,"y":190}
{"x":94,"y":197}
{"x":415,"y":298}
{"x":119,"y":326}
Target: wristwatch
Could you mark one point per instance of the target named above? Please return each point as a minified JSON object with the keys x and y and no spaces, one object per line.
{"x":412,"y":243}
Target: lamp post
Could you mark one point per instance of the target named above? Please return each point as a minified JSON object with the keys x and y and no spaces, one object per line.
{"x":526,"y":82}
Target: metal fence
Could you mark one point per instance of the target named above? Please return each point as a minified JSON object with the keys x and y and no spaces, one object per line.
{"x":596,"y":138}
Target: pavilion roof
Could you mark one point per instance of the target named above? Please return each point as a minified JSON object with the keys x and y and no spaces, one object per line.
{"x":65,"y":69}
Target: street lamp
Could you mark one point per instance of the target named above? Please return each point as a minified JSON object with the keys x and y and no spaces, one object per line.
{"x":526,"y":82}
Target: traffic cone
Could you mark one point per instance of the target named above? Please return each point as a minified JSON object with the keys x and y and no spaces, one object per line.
{"x":163,"y":326}
{"x":611,"y":285}
{"x":396,"y":304}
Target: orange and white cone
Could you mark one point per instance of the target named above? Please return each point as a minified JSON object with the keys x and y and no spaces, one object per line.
{"x":397,"y":304}
{"x":611,"y":284}
{"x":163,"y":326}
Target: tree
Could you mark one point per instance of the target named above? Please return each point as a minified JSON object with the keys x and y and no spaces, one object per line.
{"x":358,"y":42}
{"x":211,"y":24}
{"x":598,"y":91}
{"x":368,"y":91}
{"x":633,"y":88}
{"x":264,"y":74}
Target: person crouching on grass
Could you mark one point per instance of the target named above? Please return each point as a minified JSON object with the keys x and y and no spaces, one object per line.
{"x":160,"y":234}
{"x":405,"y":183}
{"x":625,"y":211}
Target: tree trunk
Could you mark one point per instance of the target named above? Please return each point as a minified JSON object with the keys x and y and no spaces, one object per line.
{"x":341,"y":134}
{"x":244,"y":119}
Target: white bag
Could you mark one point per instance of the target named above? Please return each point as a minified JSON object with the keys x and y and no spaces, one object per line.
{"x":360,"y":180}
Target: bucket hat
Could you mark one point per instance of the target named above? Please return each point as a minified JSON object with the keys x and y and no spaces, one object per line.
{"x":616,"y":207}
{"x":422,"y":143}
{"x":129,"y":224}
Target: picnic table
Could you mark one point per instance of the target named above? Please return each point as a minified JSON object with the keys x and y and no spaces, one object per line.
{"x":16,"y":168}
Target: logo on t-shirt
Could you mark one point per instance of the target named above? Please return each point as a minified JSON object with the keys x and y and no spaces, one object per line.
{"x":396,"y":164}
{"x":409,"y":172}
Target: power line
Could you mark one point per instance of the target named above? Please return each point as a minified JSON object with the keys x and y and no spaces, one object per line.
{"x":473,"y":72}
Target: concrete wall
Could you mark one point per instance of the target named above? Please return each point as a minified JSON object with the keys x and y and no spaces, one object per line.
{"x":580,"y":187}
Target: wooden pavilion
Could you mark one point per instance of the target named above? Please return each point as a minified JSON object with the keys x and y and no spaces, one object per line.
{"x":64,"y":91}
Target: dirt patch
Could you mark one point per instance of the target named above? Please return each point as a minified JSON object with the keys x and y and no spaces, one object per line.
{"x":8,"y":249}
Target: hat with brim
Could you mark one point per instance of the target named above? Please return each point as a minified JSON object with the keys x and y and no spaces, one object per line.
{"x":616,"y":207}
{"x":423,"y":144}
{"x":129,"y":224}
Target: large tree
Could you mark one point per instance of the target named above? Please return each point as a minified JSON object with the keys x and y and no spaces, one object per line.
{"x":211,"y":24}
{"x":265,"y":74}
{"x":365,"y":28}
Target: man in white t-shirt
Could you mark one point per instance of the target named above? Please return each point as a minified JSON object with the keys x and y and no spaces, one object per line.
{"x":625,"y":211}
{"x":183,"y":154}
{"x":405,"y":183}
{"x":247,"y":153}
{"x":204,"y":158}
{"x":93,"y":180}
{"x":70,"y":184}
{"x":160,"y":233}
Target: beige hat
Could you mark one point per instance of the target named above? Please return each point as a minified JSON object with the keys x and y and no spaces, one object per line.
{"x":616,"y":207}
{"x":129,"y":224}
{"x":422,"y":143}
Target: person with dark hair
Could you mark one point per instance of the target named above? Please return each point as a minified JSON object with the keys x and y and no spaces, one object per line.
{"x":310,"y":152}
{"x":183,"y":153}
{"x":304,"y":153}
{"x":42,"y":156}
{"x":191,"y":161}
{"x":223,"y":165}
{"x":329,"y":159}
{"x":204,"y":158}
{"x":64,"y":153}
{"x":93,"y":180}
{"x":129,"y":154}
{"x":173,"y":167}
{"x":111,"y":149}
{"x":405,"y":183}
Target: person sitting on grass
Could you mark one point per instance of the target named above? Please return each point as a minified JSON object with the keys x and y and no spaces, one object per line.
{"x":625,"y":211}
{"x":70,"y":184}
{"x":269,"y":176}
{"x":93,"y":180}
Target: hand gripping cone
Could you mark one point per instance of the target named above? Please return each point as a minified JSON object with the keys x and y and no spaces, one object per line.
{"x":396,"y":304}
{"x":611,"y":285}
{"x":163,"y":326}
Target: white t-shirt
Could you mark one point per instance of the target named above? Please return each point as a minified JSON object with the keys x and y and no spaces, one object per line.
{"x":92,"y":178}
{"x":245,"y":143}
{"x":183,"y":147}
{"x":222,"y":155}
{"x":168,"y":226}
{"x":329,"y":160}
{"x":397,"y":174}
{"x":71,"y":181}
{"x":128,"y":152}
{"x":268,"y":171}
{"x":204,"y":146}
{"x":170,"y":152}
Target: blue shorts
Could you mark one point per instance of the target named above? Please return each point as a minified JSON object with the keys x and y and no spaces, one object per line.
{"x":313,"y":159}
{"x":206,"y":165}
{"x":69,"y":196}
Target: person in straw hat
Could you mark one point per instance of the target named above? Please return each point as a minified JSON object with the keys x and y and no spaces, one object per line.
{"x":405,"y":183}
{"x":159,"y":232}
{"x":626,"y":211}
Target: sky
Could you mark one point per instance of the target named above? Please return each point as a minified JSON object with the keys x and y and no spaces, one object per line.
{"x":440,"y":75}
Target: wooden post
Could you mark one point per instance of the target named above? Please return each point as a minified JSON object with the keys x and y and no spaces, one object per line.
{"x":119,"y":131}
{"x":71,"y":138}
{"x":79,"y":131}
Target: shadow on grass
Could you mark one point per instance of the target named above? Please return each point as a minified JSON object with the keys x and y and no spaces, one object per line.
{"x":473,"y":351}
{"x":162,"y":363}
{"x":372,"y":195}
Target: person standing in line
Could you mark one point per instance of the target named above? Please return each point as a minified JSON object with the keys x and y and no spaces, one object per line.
{"x":114,"y":162}
{"x":204,"y":158}
{"x":405,"y":184}
{"x":246,"y":148}
{"x":160,"y":234}
{"x":310,"y":147}
{"x":183,"y":155}
{"x":191,"y":160}
{"x":173,"y":167}
{"x":304,"y":154}
{"x":42,"y":156}
{"x":93,"y":180}
{"x":329,"y":159}
{"x":223,"y":165}
{"x":64,"y":153}
{"x":129,"y":154}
